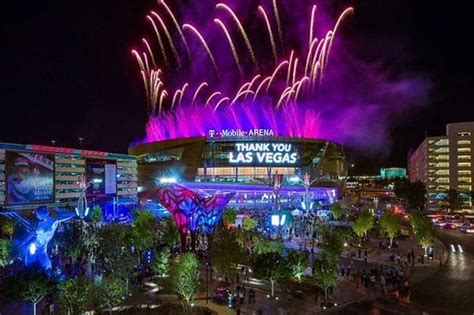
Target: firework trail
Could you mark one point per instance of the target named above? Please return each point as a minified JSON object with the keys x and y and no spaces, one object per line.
{"x":272,"y":97}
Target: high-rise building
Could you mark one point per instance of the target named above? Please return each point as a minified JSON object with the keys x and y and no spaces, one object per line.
{"x":445,"y":162}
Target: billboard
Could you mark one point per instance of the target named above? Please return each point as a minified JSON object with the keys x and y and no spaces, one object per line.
{"x":102,"y":177}
{"x":30,"y":177}
{"x":265,"y":154}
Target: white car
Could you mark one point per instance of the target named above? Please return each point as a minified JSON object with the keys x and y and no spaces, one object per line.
{"x":467,"y":229}
{"x":440,"y":223}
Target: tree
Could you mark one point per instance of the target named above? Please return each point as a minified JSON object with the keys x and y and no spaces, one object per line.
{"x":390,"y":225}
{"x":271,"y":266}
{"x":96,"y":214}
{"x":331,"y":242}
{"x":453,"y":200}
{"x":169,"y":232}
{"x":298,"y":262}
{"x":7,"y":227}
{"x":250,"y":223}
{"x":185,"y":276}
{"x":143,"y":232}
{"x":325,"y":274}
{"x":423,"y":230}
{"x":161,"y":262}
{"x":414,"y":194}
{"x":113,"y":292}
{"x":75,"y":295}
{"x":226,"y":252}
{"x":29,"y":284}
{"x":362,"y":224}
{"x":337,"y":210}
{"x":5,"y":247}
{"x":229,"y":216}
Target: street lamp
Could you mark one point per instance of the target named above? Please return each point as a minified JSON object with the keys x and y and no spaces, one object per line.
{"x":81,"y":139}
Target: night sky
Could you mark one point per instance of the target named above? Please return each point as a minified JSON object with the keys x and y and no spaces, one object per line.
{"x":66,"y":71}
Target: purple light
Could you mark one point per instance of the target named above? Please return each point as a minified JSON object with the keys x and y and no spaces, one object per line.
{"x":292,"y":121}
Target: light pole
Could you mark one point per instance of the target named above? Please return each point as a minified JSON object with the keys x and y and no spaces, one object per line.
{"x":307,"y":182}
{"x":81,"y":140}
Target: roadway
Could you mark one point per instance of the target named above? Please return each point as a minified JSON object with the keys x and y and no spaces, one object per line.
{"x":450,"y":291}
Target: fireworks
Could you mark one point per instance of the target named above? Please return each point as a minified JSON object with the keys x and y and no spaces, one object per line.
{"x":277,"y":96}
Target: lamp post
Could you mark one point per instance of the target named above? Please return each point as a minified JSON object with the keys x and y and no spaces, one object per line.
{"x":81,"y":140}
{"x":307,"y":182}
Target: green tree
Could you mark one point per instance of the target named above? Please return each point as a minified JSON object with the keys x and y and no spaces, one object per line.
{"x":185,"y":276}
{"x":5,"y":248}
{"x":226,"y":252}
{"x":250,"y":224}
{"x":161,"y":262}
{"x":112,"y":292}
{"x":271,"y":266}
{"x":170,"y":234}
{"x":390,"y":225}
{"x":143,"y":232}
{"x":453,"y":200}
{"x":229,"y":216}
{"x":96,"y":214}
{"x":423,"y":230}
{"x":337,"y":211}
{"x":362,"y":224}
{"x":325,"y":274}
{"x":75,"y":295}
{"x":29,"y":284}
{"x":331,"y":242}
{"x":298,"y":262}
{"x":7,"y":227}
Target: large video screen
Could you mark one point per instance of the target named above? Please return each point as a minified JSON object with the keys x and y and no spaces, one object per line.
{"x":265,"y":154}
{"x":30,"y":177}
{"x":101,"y":176}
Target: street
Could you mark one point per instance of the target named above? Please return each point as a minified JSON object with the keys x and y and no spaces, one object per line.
{"x":449,"y":291}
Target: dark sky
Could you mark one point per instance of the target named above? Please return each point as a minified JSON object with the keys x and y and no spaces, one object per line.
{"x":66,"y":70}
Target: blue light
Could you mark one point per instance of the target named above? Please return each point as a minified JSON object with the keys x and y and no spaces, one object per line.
{"x":32,"y":248}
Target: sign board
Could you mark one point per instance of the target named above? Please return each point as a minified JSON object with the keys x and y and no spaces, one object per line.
{"x":264,"y":154}
{"x":30,"y":177}
{"x":226,"y":133}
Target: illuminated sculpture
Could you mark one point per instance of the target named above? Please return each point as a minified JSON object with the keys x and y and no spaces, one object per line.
{"x":82,"y":210}
{"x":191,"y":210}
{"x":36,"y":245}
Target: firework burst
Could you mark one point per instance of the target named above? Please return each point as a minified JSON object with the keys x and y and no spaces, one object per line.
{"x":277,"y":94}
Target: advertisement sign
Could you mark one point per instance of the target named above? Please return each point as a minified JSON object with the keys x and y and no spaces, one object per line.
{"x":264,"y":154}
{"x":110,"y":179}
{"x":30,"y":177}
{"x":101,"y":177}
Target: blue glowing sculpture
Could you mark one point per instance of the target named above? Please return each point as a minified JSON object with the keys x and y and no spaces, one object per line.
{"x":35,"y":248}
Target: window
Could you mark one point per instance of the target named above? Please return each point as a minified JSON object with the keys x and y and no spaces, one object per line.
{"x":464,"y":157}
{"x":464,"y":142}
{"x":464,"y":179}
{"x":464,"y":164}
{"x":464,"y":187}
{"x":464,"y":133}
{"x":464,"y":172}
{"x":464,"y":150}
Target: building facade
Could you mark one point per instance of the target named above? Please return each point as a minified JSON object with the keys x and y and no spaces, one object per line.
{"x":446,"y":162}
{"x":35,"y":175}
{"x":246,"y":166}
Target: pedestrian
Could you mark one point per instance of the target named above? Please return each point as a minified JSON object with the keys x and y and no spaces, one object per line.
{"x":237,"y":310}
{"x":242,"y":295}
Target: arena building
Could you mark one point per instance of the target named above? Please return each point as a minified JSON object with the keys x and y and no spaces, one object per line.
{"x":244,"y":163}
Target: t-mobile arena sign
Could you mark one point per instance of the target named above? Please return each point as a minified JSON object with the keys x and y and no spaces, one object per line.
{"x":264,"y":153}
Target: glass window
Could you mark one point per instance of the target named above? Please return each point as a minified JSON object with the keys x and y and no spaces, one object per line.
{"x":464,"y":142}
